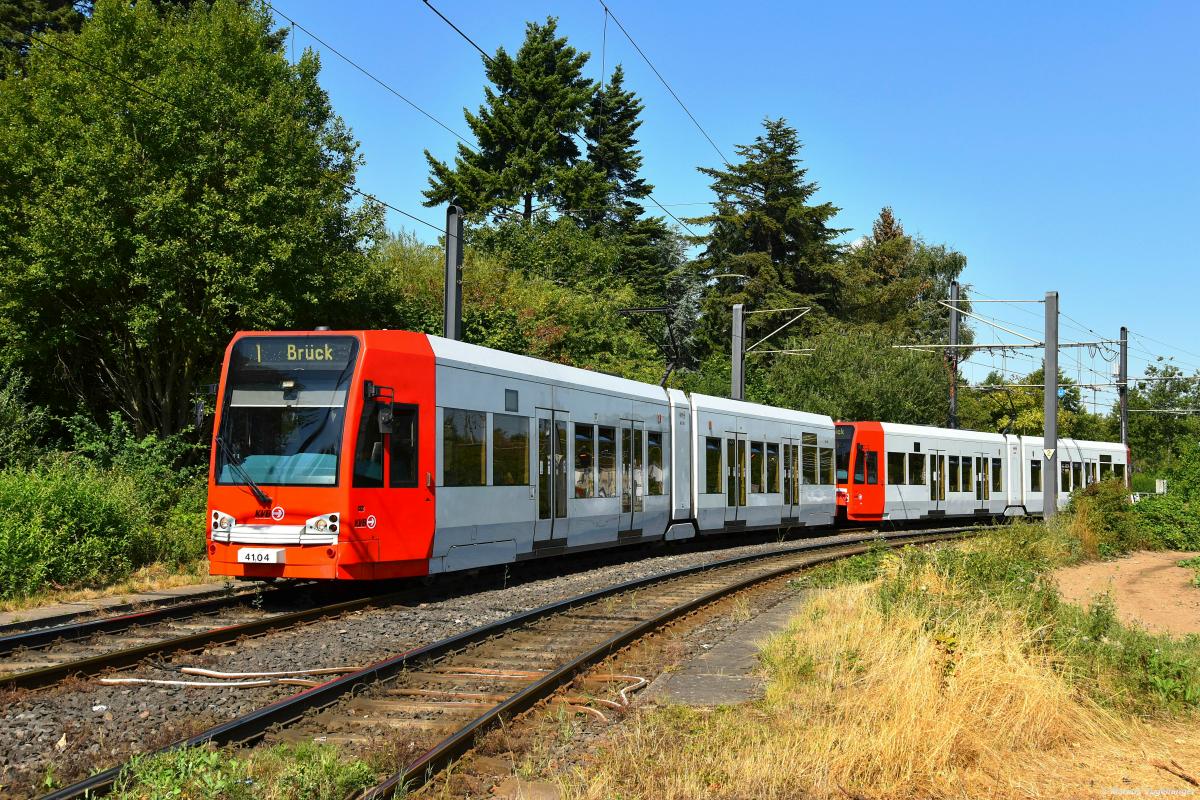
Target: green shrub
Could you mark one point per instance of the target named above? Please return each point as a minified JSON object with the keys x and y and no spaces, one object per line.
{"x":1173,"y":519}
{"x":22,"y":425}
{"x":93,"y":516}
{"x":1106,"y":517}
{"x":66,"y":523}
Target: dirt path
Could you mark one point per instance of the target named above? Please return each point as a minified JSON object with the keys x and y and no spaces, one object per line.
{"x":1148,"y":588}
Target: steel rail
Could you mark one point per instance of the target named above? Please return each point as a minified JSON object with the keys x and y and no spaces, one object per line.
{"x":10,"y":629}
{"x":73,"y":631}
{"x":48,"y":676}
{"x":251,"y":727}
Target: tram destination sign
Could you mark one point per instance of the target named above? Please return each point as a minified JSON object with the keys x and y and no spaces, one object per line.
{"x":296,"y":352}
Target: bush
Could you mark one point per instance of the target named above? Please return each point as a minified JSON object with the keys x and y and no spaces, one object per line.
{"x":21,"y":425}
{"x":93,"y":516}
{"x":1172,"y":520}
{"x":1104,"y":520}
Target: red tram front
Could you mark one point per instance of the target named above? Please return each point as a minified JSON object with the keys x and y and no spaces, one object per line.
{"x":322,"y":457}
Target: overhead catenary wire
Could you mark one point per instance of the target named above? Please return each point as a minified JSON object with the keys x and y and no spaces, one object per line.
{"x":650,"y":63}
{"x":489,"y":58}
{"x":370,"y":75}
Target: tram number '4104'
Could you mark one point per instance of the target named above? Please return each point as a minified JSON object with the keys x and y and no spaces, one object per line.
{"x":260,"y":555}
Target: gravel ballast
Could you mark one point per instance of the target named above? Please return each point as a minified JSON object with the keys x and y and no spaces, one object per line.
{"x":83,"y":726}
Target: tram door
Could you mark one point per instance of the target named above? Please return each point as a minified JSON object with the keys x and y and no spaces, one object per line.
{"x":633,"y":475}
{"x":791,"y":478}
{"x":735,"y":475}
{"x":551,"y":475}
{"x":937,"y":480}
{"x":983,"y":482}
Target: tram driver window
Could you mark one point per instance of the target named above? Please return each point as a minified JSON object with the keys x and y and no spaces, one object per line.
{"x":402,"y":473}
{"x":1035,"y":475}
{"x":464,"y":447}
{"x":997,"y":475}
{"x":872,"y":467}
{"x":826,"y":459}
{"x":368,"y":453}
{"x":510,"y":450}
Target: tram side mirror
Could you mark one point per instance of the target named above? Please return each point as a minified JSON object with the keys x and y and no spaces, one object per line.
{"x":369,"y":390}
{"x":199,"y":409}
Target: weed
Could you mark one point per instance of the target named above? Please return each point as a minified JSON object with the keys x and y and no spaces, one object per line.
{"x":305,"y":770}
{"x":1193,"y":564}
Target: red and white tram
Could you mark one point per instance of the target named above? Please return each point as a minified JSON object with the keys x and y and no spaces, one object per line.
{"x":386,"y":454}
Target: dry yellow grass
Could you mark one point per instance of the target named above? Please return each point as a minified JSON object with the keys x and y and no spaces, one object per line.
{"x":859,"y":705}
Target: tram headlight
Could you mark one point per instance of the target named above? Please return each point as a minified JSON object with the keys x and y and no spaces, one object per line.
{"x":222,"y":522}
{"x":225,"y":523}
{"x":325,"y":524}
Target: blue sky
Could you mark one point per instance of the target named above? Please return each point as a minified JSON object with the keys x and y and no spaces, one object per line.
{"x":1054,"y":144}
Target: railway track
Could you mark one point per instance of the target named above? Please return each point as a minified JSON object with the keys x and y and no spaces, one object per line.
{"x":443,"y":696}
{"x":46,"y":656}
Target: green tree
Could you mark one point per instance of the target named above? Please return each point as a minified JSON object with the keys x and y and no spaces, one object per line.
{"x":526,"y":133}
{"x":20,"y":18}
{"x":855,"y":374}
{"x":140,"y":228}
{"x":1156,"y":439}
{"x":898,"y":281}
{"x":765,"y":226}
{"x":994,"y":406}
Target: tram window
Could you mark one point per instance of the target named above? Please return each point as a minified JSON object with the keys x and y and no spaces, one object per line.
{"x":1064,"y":471}
{"x":368,"y":453}
{"x":953,"y":473}
{"x":997,"y":475}
{"x":756,"y":468}
{"x":403,"y":471}
{"x":1077,"y":473}
{"x":606,"y":460}
{"x":1035,"y":475}
{"x":654,"y":463}
{"x":787,"y":475}
{"x":510,"y":450}
{"x":916,"y":469}
{"x":464,"y":447}
{"x":826,"y":454}
{"x":1119,"y":472}
{"x":872,"y":467}
{"x":810,"y":465}
{"x":712,"y":465}
{"x":585,"y":460}
{"x":772,"y":468}
{"x":1106,"y":467}
{"x":895,"y":469}
{"x":1092,"y":472}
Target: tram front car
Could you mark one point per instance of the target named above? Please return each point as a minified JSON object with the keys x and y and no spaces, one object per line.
{"x":318,"y":468}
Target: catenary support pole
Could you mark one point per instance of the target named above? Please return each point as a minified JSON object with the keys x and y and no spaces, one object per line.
{"x":952,"y":356}
{"x":1123,"y":385}
{"x":1050,"y":476}
{"x":452,"y":315}
{"x":737,"y":377}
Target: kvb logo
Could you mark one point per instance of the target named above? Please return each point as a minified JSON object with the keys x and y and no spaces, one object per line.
{"x":277,"y":513}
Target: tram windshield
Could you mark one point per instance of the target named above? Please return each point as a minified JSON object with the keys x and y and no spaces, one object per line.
{"x":844,"y":441}
{"x":284,"y":409}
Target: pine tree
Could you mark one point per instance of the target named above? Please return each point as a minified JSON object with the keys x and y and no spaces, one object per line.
{"x":886,"y":226}
{"x":526,"y":132}
{"x":765,"y":227}
{"x":611,"y":128}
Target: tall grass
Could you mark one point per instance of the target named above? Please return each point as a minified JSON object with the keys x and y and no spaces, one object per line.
{"x":943,"y":672}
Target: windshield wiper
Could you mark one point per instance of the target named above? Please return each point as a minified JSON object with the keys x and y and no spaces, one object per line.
{"x":240,"y":472}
